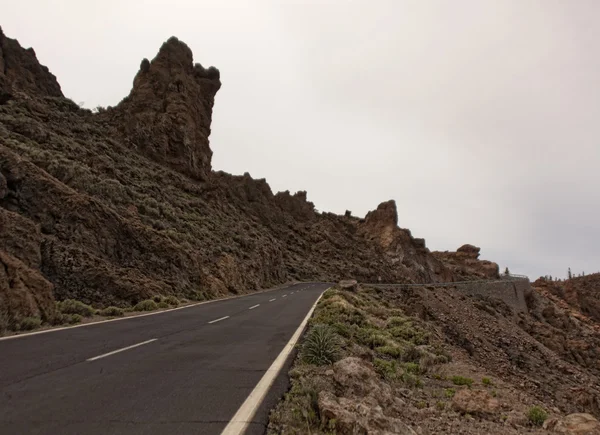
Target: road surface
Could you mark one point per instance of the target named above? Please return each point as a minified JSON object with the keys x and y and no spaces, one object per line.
{"x":182,"y":372}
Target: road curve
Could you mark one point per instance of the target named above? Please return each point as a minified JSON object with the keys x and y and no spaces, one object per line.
{"x":185,"y":371}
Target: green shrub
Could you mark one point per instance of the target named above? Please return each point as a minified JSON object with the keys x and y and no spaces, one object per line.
{"x":172,"y":300}
{"x":72,"y":319}
{"x":537,"y":415}
{"x":413,"y":368}
{"x":411,"y":353}
{"x":197,"y":296}
{"x":440,"y":405}
{"x":163,"y":305}
{"x":411,"y":379}
{"x":421,"y":404}
{"x":342,"y":329}
{"x":321,"y":346}
{"x":147,"y":305}
{"x":29,"y":323}
{"x":386,"y":369}
{"x":486,"y":381}
{"x":396,"y":321}
{"x":112,"y":312}
{"x":461,"y":380}
{"x":71,"y":306}
{"x":370,"y":337}
{"x":393,"y":351}
{"x":157,"y":298}
{"x":449,"y":392}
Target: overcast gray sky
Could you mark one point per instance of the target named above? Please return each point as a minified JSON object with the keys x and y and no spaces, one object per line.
{"x":480,"y":118}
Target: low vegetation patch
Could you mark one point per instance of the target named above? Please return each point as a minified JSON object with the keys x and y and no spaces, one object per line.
{"x":30,"y":323}
{"x":172,"y":301}
{"x":147,"y":305}
{"x":72,"y":306}
{"x":387,"y":369}
{"x":537,"y":415}
{"x":72,"y":319}
{"x":112,"y":312}
{"x":350,"y":324}
{"x":461,"y":380}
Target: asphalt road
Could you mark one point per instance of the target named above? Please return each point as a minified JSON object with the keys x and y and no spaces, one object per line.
{"x":190,"y":379}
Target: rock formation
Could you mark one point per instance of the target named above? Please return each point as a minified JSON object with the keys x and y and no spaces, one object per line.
{"x":108,"y":226}
{"x":465,"y":263}
{"x":168,"y":113}
{"x":21,"y":72}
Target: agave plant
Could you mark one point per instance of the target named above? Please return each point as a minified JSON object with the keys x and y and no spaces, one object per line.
{"x":321,"y":347}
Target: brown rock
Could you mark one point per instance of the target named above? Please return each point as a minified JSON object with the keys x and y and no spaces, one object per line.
{"x":21,"y":238}
{"x":359,"y":416}
{"x":516,"y":419}
{"x":168,"y":113}
{"x":3,"y":186}
{"x":20,"y":71}
{"x":357,"y":378}
{"x":24,"y":292}
{"x":574,"y":424}
{"x":465,"y":264}
{"x":349,"y":284}
{"x":470,"y":250}
{"x":408,"y":254}
{"x":475,"y":402}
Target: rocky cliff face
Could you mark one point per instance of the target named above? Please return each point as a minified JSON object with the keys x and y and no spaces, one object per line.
{"x":20,"y":72}
{"x":580,"y":294}
{"x":168,"y":113}
{"x":87,"y":218}
{"x":409,"y":255}
{"x":466,"y":265}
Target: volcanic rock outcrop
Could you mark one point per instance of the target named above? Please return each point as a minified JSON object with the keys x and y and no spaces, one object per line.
{"x":113,"y":207}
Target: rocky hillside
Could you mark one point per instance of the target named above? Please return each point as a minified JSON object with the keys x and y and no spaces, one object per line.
{"x":581,"y":294}
{"x":115,"y":207}
{"x":427,"y":360}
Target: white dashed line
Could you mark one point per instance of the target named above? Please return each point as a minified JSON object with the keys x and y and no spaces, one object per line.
{"x":271,"y":300}
{"x":218,"y":320}
{"x":121,"y":350}
{"x":284,"y":296}
{"x":254,"y":306}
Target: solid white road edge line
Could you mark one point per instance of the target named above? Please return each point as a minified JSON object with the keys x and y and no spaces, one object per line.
{"x":121,"y":350}
{"x":243,"y":417}
{"x":254,"y":306}
{"x":218,"y":320}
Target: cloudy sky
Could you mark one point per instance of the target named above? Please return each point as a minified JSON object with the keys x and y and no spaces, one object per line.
{"x":480,"y":118}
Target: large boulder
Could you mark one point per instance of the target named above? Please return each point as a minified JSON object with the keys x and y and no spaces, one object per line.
{"x":574,"y":424}
{"x":475,"y":402}
{"x":359,"y":416}
{"x":348,"y":284}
